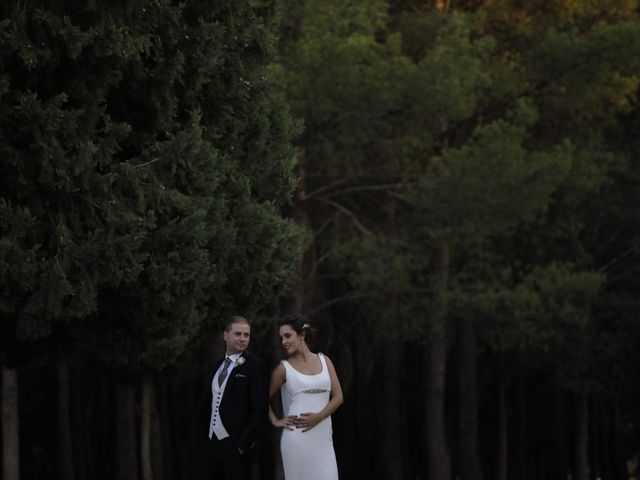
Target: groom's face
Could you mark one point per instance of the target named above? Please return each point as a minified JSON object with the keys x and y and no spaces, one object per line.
{"x":237,"y":338}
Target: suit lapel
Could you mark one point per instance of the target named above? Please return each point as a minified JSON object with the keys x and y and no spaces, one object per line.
{"x":232,"y":375}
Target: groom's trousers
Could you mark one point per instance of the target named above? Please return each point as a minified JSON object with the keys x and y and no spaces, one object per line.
{"x":220,"y":459}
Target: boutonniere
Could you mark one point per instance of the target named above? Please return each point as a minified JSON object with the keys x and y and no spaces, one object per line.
{"x":240,"y":361}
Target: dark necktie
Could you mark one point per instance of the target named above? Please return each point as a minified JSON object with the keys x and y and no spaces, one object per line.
{"x":223,"y":373}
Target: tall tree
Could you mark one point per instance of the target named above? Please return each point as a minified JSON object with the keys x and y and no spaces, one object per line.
{"x":150,"y":145}
{"x":392,"y":98}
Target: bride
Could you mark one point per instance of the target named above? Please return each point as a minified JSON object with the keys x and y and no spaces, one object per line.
{"x":310,"y":392}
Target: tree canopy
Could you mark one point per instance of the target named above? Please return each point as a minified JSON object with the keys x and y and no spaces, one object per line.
{"x":146,"y":157}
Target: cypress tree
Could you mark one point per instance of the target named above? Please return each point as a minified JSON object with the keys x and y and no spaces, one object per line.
{"x":144,"y":159}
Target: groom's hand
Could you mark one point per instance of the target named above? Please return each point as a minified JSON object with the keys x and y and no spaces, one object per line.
{"x":286,"y":422}
{"x":308,"y":420}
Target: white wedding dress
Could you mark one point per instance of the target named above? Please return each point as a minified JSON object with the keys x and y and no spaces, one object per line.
{"x":307,"y":455}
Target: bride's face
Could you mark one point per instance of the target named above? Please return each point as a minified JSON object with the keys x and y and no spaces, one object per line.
{"x":289,"y":339}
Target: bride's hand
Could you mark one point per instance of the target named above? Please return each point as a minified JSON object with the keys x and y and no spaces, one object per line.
{"x":286,"y":422}
{"x":308,"y":420}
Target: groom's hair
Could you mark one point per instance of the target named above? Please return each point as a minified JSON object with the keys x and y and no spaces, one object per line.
{"x":300,"y":325}
{"x":234,"y":319}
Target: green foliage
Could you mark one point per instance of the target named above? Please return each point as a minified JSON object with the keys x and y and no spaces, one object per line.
{"x":584,"y":80}
{"x":150,"y":147}
{"x":383,"y":272}
{"x":487,"y":129}
{"x":19,"y":269}
{"x":542,"y":313}
{"x":542,"y":322}
{"x":475,"y":167}
{"x":491,"y":183}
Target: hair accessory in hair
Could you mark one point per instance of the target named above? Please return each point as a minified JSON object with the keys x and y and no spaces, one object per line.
{"x":305,"y":326}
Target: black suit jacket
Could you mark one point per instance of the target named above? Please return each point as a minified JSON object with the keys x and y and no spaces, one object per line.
{"x":244,"y":404}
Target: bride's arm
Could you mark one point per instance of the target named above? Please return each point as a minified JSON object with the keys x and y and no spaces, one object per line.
{"x":309,"y":420}
{"x":278,"y":377}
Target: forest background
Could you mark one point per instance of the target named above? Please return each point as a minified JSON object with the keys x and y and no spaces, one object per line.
{"x":449,"y":189}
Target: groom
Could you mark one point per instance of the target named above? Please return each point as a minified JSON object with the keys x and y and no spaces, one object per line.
{"x":234,"y":408}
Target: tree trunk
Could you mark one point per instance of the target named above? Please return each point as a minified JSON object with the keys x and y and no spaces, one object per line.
{"x":469,"y":461}
{"x":184,"y":419}
{"x":557,"y":463}
{"x":64,"y":422}
{"x":10,"y":422}
{"x":82,"y":397}
{"x":521,"y":457}
{"x":582,"y":438}
{"x":103,"y":413}
{"x":438,"y":460}
{"x":126,"y":445}
{"x":392,"y":420}
{"x":158,"y":427}
{"x":618,"y":466}
{"x":364,"y":465}
{"x":601,"y":418}
{"x":595,"y":441}
{"x":503,"y":436}
{"x":145,"y":429}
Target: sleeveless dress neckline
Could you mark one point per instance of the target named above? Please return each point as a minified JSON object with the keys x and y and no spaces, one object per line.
{"x":309,"y":374}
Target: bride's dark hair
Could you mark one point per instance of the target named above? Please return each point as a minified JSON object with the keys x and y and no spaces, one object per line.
{"x":300,"y":325}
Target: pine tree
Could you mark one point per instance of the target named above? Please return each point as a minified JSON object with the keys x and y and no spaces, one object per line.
{"x":453,"y":147}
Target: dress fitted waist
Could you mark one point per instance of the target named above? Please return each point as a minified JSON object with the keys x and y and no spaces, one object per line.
{"x":308,"y":402}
